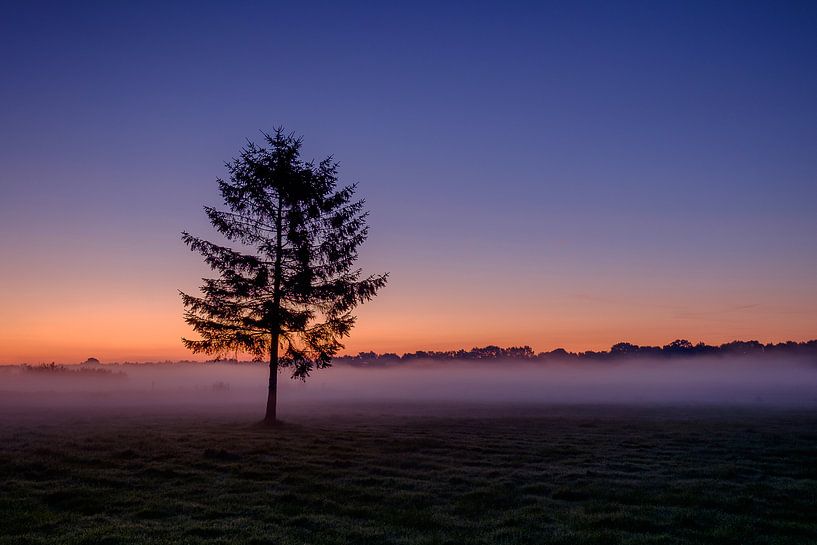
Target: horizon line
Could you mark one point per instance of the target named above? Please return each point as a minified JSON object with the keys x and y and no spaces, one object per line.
{"x":523,"y":351}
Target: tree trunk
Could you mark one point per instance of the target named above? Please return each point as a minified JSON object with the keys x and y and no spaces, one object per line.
{"x":272,"y":394}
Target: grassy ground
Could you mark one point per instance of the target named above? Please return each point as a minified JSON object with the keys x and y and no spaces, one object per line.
{"x":548,"y":475}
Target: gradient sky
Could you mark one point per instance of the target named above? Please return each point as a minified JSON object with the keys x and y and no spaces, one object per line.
{"x":569,"y":174}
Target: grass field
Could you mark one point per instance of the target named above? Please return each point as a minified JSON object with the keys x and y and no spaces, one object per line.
{"x":597,"y":475}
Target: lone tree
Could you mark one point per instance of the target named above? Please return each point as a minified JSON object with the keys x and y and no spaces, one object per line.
{"x":287,"y":286}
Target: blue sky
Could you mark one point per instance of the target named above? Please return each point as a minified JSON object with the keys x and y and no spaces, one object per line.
{"x":526,"y":164}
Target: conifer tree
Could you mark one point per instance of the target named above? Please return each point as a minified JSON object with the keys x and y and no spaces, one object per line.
{"x":287,"y":282}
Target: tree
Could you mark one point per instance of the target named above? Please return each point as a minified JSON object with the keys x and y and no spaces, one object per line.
{"x":287,"y":285}
{"x":624,"y":349}
{"x":678,"y":346}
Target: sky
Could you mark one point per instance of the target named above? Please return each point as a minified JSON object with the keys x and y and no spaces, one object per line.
{"x":567,"y":174}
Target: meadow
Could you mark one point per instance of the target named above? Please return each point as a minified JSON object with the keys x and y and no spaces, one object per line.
{"x":410,"y":474}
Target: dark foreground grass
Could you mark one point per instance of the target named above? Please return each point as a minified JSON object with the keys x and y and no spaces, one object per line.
{"x":548,"y":475}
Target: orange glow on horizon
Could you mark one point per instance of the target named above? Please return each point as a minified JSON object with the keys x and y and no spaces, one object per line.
{"x":117,"y":311}
{"x":151,"y":330}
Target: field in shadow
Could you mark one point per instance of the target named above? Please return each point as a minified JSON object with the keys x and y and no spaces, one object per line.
{"x":402,"y":474}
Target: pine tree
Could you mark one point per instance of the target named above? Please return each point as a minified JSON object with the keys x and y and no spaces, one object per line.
{"x":287,"y":287}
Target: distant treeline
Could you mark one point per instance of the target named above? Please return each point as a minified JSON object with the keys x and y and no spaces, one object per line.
{"x":57,"y":369}
{"x":675,"y":349}
{"x":680,"y":348}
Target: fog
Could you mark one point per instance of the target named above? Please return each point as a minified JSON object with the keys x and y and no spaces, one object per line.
{"x":699,"y":381}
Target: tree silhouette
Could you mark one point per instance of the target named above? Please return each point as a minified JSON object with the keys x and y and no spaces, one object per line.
{"x":288,"y":290}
